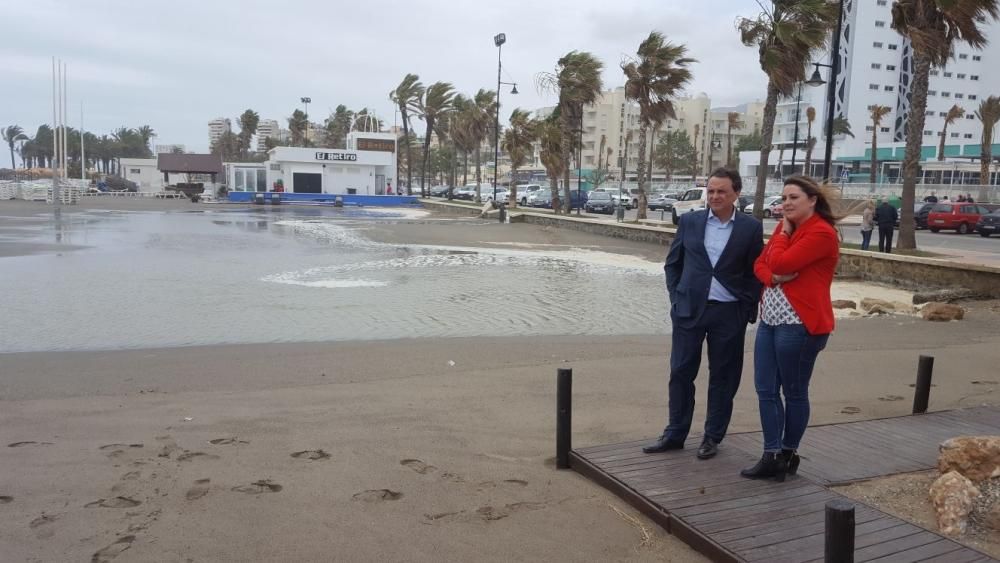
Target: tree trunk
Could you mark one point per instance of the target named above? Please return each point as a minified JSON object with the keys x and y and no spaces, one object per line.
{"x":729,"y":145}
{"x":914,"y":135}
{"x":512,"y":200}
{"x":694,"y":165}
{"x":409,"y":150}
{"x":766,"y":136}
{"x":554,"y":190}
{"x":944,"y":133}
{"x":985,"y":159}
{"x":465,"y":168}
{"x":873,"y":178}
{"x":479,"y":174}
{"x":641,"y":172}
{"x":427,"y":153}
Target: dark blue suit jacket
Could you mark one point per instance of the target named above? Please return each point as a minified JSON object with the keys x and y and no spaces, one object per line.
{"x":689,"y":269}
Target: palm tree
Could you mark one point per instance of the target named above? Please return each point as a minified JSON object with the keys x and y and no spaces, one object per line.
{"x":989,"y":114}
{"x":517,"y":143}
{"x":406,"y":96}
{"x":933,"y":28}
{"x":578,"y":81}
{"x":297,"y":125}
{"x":146,"y":133}
{"x":479,"y":115}
{"x":13,"y":134}
{"x":248,"y":128}
{"x":785,"y":37}
{"x":435,"y":102}
{"x":810,"y":140}
{"x":732,"y":122}
{"x":338,"y":125}
{"x":653,"y":79}
{"x":552,"y":154}
{"x":953,"y":114}
{"x":694,"y":158}
{"x":462,"y":134}
{"x":877,"y":113}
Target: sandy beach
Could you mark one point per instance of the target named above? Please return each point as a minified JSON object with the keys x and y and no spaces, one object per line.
{"x":421,"y":449}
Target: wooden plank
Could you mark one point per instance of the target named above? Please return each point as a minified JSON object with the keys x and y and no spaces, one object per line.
{"x":886,"y":546}
{"x":965,"y":555}
{"x":796,"y":550}
{"x":799,"y":528}
{"x":739,"y":519}
{"x":680,"y":499}
{"x":922,"y":553}
{"x":759,"y":499}
{"x":731,"y":493}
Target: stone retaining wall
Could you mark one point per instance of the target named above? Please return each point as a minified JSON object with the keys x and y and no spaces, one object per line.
{"x":904,"y":271}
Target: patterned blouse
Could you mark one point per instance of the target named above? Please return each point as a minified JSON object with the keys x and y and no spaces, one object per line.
{"x":775,"y":309}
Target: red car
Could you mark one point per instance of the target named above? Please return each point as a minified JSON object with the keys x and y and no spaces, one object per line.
{"x":954,"y":215}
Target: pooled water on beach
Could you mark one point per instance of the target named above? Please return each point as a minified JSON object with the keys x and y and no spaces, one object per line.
{"x":223,"y":275}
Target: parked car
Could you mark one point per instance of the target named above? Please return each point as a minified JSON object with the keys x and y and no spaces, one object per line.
{"x":772,"y":207}
{"x":600,"y":202}
{"x":694,"y":199}
{"x":743,"y":202}
{"x":920,"y":216}
{"x":440,"y":191}
{"x":989,"y":223}
{"x":468,"y":192}
{"x":962,"y":217}
{"x":543,"y":198}
{"x":662,"y":201}
{"x":524,"y":192}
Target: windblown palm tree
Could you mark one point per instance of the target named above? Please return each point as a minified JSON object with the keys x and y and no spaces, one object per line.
{"x":13,"y":134}
{"x":337,"y":126}
{"x":578,"y":81}
{"x":405,"y":96}
{"x":248,"y":128}
{"x":653,"y":79}
{"x":146,"y":133}
{"x":462,"y":134}
{"x":953,"y":114}
{"x":552,"y":155}
{"x":877,"y":113}
{"x":297,"y":125}
{"x":785,"y":37}
{"x":517,"y":142}
{"x":933,"y":28}
{"x":810,"y":140}
{"x":732,"y":122}
{"x":480,"y":115}
{"x":989,"y":114}
{"x":435,"y":102}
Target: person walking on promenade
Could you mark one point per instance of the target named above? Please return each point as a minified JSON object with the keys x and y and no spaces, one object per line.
{"x":885,"y":217}
{"x":713,"y":296}
{"x":867,"y":224}
{"x":796,"y":319}
{"x":931,"y":198}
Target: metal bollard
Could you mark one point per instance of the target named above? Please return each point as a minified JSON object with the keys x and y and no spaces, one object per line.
{"x":922,"y":392}
{"x":503,"y":213}
{"x":839,"y":546}
{"x":564,"y":409}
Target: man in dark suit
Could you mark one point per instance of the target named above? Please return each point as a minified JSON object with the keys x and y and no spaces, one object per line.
{"x":713,"y":295}
{"x":886,"y":217}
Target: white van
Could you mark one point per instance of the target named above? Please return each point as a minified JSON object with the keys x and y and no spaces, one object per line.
{"x":694,"y":199}
{"x":524,"y":192}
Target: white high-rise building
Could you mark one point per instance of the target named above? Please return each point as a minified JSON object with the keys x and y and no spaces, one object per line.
{"x":876,"y":69}
{"x":266,"y":128}
{"x":217,"y":127}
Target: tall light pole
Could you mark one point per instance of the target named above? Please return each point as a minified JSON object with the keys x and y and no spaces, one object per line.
{"x":831,"y":90}
{"x":306,"y":101}
{"x":795,"y":140}
{"x":498,"y":40}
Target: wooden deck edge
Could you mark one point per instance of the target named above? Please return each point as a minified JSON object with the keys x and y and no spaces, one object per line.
{"x":672,"y":524}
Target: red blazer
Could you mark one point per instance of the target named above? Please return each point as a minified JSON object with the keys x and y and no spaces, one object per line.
{"x":812,"y":251}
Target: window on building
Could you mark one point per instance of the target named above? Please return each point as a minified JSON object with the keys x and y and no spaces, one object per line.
{"x":876,"y":66}
{"x":970,"y":116}
{"x":947,"y":75}
{"x":893,"y":46}
{"x":960,"y":76}
{"x":890,"y":67}
{"x":882,"y":2}
{"x":879,"y":23}
{"x":945,"y":94}
{"x":959,"y":95}
{"x":134,"y":171}
{"x":977,"y":57}
{"x":963,"y":56}
{"x":928,"y":133}
{"x":968,"y":135}
{"x":884,"y":129}
{"x":972,"y":96}
{"x":889,"y":88}
{"x":869,"y":128}
{"x":942,"y":113}
{"x":930,"y":113}
{"x":934,"y":73}
{"x":877,"y":44}
{"x":873,"y":86}
{"x":954,"y":135}
{"x":974,"y":77}
{"x":932,"y":92}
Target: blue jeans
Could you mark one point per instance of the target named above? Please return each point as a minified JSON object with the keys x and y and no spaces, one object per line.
{"x":784,"y":356}
{"x":866,"y":239}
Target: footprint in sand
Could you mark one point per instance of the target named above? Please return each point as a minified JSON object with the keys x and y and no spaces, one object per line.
{"x":119,"y":446}
{"x":227,"y":441}
{"x":117,"y":502}
{"x":850,"y":410}
{"x":29,"y":443}
{"x":42,"y":527}
{"x":312,"y":455}
{"x":891,"y":398}
{"x":114,"y":550}
{"x":377,"y":495}
{"x":258,"y":487}
{"x":199,"y":489}
{"x":506,"y":482}
{"x":188,"y":456}
{"x":483,"y":513}
{"x":4,"y":499}
{"x":985,"y":382}
{"x":418,"y":466}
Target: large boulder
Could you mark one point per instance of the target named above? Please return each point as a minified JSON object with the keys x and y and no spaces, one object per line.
{"x":992,"y":517}
{"x":869,"y":303}
{"x":942,"y":312}
{"x":953,"y":497}
{"x":878,"y":309}
{"x":844,"y":304}
{"x":975,"y":457}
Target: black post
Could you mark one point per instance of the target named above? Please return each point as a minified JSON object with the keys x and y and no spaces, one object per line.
{"x":795,"y":140}
{"x":564,"y":411}
{"x":831,"y":93}
{"x":839,"y":532}
{"x":922,"y":393}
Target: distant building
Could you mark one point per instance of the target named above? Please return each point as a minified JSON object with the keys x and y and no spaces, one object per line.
{"x":217,"y":127}
{"x":168,"y":149}
{"x":267,"y":128}
{"x":143,"y":172}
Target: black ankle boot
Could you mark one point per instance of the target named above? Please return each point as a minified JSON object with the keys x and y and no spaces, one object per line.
{"x":770,"y":465}
{"x":791,"y":460}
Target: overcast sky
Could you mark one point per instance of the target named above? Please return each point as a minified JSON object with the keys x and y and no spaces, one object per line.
{"x":176,"y":65}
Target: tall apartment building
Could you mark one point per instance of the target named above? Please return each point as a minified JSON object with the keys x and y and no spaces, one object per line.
{"x":876,"y":70}
{"x":217,"y":127}
{"x":266,"y":128}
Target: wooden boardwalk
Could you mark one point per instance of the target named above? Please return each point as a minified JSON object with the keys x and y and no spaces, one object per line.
{"x":728,"y":518}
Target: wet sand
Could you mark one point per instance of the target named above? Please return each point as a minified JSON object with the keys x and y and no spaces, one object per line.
{"x":401,"y":450}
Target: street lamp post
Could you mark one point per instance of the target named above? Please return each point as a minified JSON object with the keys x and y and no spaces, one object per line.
{"x":831,"y":91}
{"x":498,"y":40}
{"x":305,"y":101}
{"x":795,"y":140}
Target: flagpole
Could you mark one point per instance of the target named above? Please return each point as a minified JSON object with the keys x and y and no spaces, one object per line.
{"x":55,"y":137}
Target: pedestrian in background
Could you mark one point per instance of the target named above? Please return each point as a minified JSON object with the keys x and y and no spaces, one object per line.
{"x":867,"y":224}
{"x":885,"y":217}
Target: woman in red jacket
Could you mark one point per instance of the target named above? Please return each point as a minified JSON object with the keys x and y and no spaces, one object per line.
{"x":796,"y":268}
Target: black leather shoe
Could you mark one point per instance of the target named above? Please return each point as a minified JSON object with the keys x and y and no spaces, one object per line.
{"x":770,"y":466}
{"x":663,"y":444}
{"x":708,"y":449}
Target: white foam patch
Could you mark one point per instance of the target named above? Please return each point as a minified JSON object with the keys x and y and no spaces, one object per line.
{"x":326,"y":231}
{"x":337,"y":284}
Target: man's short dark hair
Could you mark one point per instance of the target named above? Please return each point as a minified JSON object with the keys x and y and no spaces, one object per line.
{"x":732,"y":175}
